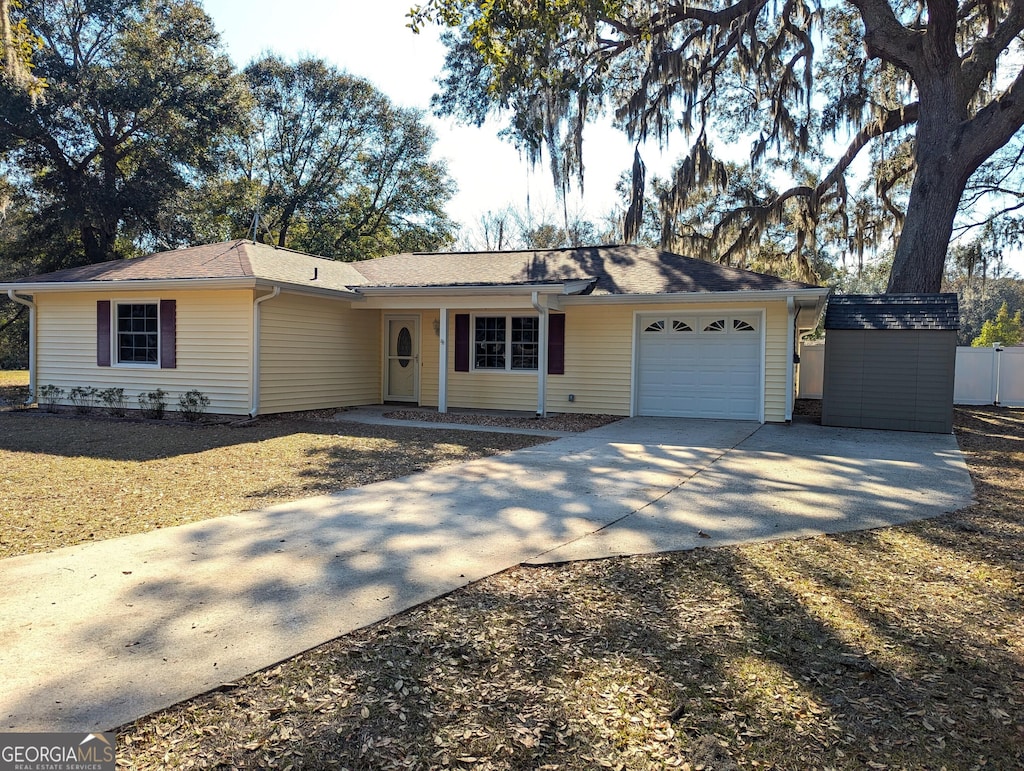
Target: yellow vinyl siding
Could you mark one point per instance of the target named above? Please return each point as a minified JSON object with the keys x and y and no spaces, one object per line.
{"x":430,"y":352}
{"x":598,"y":361}
{"x":473,"y":390}
{"x":213,"y":345}
{"x":488,"y":390}
{"x":493,"y":390}
{"x":317,"y":353}
{"x":776,"y":360}
{"x":599,"y":356}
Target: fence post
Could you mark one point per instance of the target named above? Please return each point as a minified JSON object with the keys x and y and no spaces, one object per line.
{"x":997,"y":348}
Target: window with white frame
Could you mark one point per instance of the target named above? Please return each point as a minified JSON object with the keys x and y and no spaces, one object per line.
{"x":137,"y":338}
{"x":510,"y":343}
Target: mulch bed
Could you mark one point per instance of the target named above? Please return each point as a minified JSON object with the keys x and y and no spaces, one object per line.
{"x":560,"y":422}
{"x":894,"y":648}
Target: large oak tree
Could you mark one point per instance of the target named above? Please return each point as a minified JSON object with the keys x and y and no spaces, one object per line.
{"x":326,"y":163}
{"x":136,"y":92}
{"x":929,"y":91}
{"x":17,"y":46}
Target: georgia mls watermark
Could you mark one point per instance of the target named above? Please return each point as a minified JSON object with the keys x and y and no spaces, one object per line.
{"x":57,"y":751}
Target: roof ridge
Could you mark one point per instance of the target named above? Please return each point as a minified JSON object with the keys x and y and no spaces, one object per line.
{"x":244,"y":263}
{"x":289,"y":250}
{"x":524,"y":250}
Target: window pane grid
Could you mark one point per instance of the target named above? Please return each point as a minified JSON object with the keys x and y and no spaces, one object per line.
{"x":489,"y":346}
{"x":525,"y":342}
{"x":137,"y":333}
{"x":506,"y":342}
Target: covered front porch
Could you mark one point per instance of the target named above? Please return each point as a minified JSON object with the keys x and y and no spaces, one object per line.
{"x":490,"y":348}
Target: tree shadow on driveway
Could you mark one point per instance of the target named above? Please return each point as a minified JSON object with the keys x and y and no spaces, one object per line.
{"x":174,"y":613}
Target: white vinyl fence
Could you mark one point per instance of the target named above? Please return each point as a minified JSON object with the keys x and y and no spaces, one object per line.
{"x":989,"y":376}
{"x":983,"y":375}
{"x":812,"y":371}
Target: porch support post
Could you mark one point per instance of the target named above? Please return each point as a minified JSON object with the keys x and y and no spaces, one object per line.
{"x":791,"y":352}
{"x":442,"y":370}
{"x":542,"y":356}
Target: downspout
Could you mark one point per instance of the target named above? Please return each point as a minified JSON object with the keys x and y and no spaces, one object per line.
{"x":31,"y":342}
{"x":791,"y":348}
{"x":255,"y":385}
{"x":542,"y":356}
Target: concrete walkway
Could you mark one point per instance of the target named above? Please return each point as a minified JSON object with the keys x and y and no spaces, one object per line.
{"x":94,"y":636}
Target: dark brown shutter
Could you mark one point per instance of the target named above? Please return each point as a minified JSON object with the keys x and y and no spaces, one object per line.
{"x":103,"y":333}
{"x":556,"y":344}
{"x":168,"y":333}
{"x":462,"y":342}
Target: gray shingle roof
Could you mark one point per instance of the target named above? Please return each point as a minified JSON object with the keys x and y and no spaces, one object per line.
{"x":615,"y":269}
{"x":618,"y":270}
{"x":231,"y":259}
{"x":893,"y":311}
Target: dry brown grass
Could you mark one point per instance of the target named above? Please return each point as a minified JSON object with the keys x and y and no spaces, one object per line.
{"x":894,"y":648}
{"x":66,"y":479}
{"x":13,"y":388}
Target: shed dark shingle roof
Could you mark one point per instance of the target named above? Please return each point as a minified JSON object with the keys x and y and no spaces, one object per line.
{"x":893,"y":311}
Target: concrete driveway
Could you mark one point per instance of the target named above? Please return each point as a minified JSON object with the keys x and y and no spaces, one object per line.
{"x":94,"y":636}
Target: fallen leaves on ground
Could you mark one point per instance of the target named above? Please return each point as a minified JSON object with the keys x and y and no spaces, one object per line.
{"x":885,"y":649}
{"x":68,"y":479}
{"x":555,"y":422}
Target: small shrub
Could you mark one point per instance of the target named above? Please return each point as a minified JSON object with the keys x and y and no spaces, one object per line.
{"x":193,"y":404}
{"x":114,"y":400}
{"x":48,"y":397}
{"x":83,"y":397}
{"x":153,"y":404}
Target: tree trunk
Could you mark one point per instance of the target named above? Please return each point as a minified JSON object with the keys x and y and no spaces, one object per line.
{"x":102,"y":210}
{"x":98,"y":242}
{"x":287,"y":214}
{"x":921,"y":252}
{"x":945,"y":159}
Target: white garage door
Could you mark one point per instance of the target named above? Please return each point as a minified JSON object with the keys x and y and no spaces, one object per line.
{"x":700,"y":366}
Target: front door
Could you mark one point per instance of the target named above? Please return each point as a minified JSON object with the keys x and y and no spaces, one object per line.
{"x":402,"y":359}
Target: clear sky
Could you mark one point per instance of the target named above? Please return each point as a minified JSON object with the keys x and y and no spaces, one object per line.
{"x":370,"y":38}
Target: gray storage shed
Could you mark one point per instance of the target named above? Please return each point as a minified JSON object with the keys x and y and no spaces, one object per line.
{"x":890,"y":361}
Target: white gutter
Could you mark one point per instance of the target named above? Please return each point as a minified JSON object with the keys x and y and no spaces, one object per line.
{"x":575,"y":286}
{"x":31,"y":342}
{"x":255,"y":385}
{"x":744,"y":295}
{"x":134,"y":285}
{"x":158,"y":285}
{"x":791,"y":315}
{"x":475,"y":289}
{"x":542,"y":355}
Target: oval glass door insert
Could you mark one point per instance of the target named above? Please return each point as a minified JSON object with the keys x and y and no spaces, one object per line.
{"x":404,"y":346}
